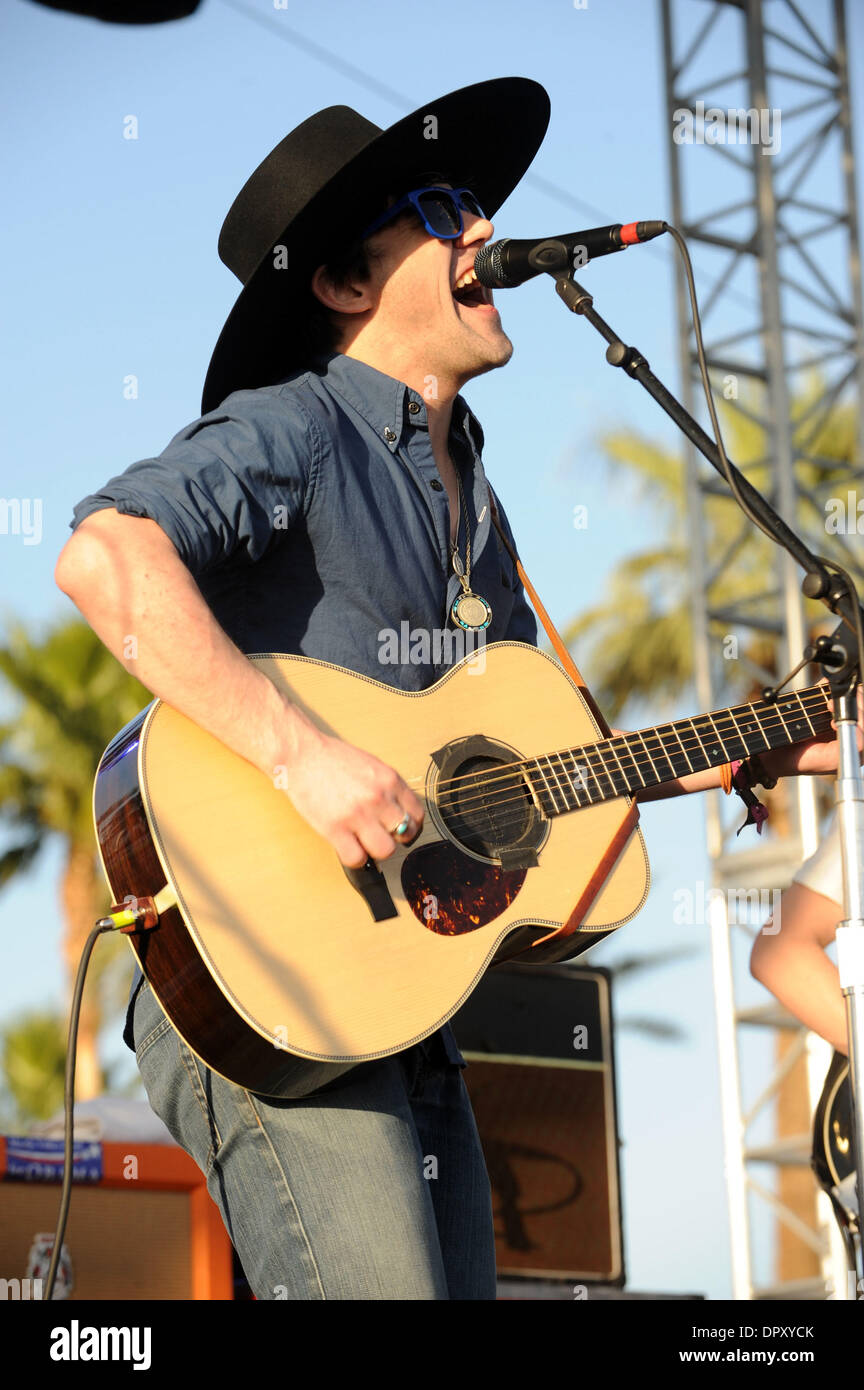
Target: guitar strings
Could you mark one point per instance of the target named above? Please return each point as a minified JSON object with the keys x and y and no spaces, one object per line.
{"x":487,"y":804}
{"x":524,"y":793}
{"x":815,"y":701}
{"x":472,"y":808}
{"x":593,"y":761}
{"x":692,"y":739}
{"x":594,"y":757}
{"x":549,"y":795}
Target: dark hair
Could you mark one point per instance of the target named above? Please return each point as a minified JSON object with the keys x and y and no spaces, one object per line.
{"x":322,"y":332}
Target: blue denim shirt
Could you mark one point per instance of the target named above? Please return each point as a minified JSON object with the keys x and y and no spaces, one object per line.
{"x":314,"y":521}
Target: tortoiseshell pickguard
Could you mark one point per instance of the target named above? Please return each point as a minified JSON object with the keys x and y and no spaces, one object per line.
{"x":451,"y":893}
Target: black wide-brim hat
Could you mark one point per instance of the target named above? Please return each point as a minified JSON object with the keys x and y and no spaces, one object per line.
{"x":326,"y":181}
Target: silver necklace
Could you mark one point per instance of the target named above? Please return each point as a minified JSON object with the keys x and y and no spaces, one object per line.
{"x":469,"y":610}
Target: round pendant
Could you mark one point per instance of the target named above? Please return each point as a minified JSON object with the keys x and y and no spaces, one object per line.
{"x":471,"y":612}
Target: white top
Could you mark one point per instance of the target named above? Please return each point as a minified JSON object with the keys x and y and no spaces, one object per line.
{"x":823,"y":871}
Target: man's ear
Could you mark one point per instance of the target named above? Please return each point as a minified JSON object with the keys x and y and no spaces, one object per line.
{"x":345,"y":296}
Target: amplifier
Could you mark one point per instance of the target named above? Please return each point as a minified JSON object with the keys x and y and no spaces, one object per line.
{"x":538,"y":1040}
{"x":142,"y":1226}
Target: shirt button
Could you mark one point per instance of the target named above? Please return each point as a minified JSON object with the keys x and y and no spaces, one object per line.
{"x":413,"y":407}
{"x":389,"y":435}
{"x":437,"y":485}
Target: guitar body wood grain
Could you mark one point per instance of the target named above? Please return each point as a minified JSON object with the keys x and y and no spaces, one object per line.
{"x":272,"y":967}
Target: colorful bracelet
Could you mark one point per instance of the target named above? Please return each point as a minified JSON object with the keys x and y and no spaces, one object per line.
{"x":740,"y":776}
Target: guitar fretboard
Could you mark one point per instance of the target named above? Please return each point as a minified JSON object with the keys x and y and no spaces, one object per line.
{"x":594,"y":772}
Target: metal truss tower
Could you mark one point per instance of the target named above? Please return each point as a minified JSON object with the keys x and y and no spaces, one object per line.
{"x":763,"y":187}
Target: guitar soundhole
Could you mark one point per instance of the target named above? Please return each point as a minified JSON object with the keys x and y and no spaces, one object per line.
{"x":493,"y":831}
{"x":482,"y":802}
{"x":485,"y":806}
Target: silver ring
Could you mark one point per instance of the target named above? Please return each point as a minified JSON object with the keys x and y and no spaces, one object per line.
{"x":401,"y":827}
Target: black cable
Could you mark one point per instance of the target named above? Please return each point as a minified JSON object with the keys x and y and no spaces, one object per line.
{"x":103,"y":925}
{"x":706,"y":383}
{"x":727,"y":471}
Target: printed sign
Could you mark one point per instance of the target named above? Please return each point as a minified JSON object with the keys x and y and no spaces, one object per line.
{"x":41,"y":1160}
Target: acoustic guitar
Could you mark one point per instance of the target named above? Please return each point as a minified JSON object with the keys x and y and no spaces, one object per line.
{"x":833,"y":1154}
{"x":282,"y":970}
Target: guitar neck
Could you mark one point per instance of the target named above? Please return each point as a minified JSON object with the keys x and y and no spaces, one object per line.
{"x":595,"y":772}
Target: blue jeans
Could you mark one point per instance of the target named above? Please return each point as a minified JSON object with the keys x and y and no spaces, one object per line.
{"x":373,"y":1188}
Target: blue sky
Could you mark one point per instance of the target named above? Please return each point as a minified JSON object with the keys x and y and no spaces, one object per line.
{"x":110,"y":270}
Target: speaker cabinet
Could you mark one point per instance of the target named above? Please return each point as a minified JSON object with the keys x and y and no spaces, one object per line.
{"x":145,"y":1228}
{"x":538,"y":1040}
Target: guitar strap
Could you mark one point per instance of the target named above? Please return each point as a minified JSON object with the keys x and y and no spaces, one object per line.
{"x":630,"y":814}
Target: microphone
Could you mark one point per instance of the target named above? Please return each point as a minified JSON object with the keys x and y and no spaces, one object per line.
{"x":507,"y":263}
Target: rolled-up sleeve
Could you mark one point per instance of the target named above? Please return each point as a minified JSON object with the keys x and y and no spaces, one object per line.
{"x":230,"y":484}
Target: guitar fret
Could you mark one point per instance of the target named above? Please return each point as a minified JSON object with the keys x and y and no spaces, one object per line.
{"x":561,"y":791}
{"x":657,"y":738}
{"x":673,"y":729}
{"x":800,"y":727}
{"x":737,"y":746}
{"x":750,"y":730}
{"x":584,"y":770}
{"x":778,"y":706}
{"x":614,"y":752}
{"x":719,"y":735}
{"x":712,"y":754}
{"x":579,"y":770}
{"x":652,"y":770}
{"x":536,"y":787}
{"x":616,"y":791}
{"x":551,"y":807}
{"x":683,"y":749}
{"x":588,"y":767}
{"x":625,"y":744}
{"x":804,"y":712}
{"x":622,"y":764}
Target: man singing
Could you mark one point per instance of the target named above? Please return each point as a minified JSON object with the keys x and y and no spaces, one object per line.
{"x":332,"y":489}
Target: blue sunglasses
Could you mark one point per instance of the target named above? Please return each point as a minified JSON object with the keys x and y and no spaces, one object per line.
{"x":440,"y":210}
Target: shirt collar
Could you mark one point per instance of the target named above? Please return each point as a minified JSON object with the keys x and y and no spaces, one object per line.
{"x":391,"y":407}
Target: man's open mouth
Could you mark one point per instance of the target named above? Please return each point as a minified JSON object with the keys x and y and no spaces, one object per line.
{"x":469,"y":291}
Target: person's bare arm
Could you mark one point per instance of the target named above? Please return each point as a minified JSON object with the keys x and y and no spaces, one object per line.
{"x":792,"y":963}
{"x":127,"y":579}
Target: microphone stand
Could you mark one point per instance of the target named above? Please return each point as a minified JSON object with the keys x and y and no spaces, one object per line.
{"x":838,"y":655}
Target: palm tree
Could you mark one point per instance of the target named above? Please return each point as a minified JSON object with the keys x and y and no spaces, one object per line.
{"x":32,"y":1069}
{"x":32,"y":1063}
{"x":69,"y":697}
{"x":639,"y":642}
